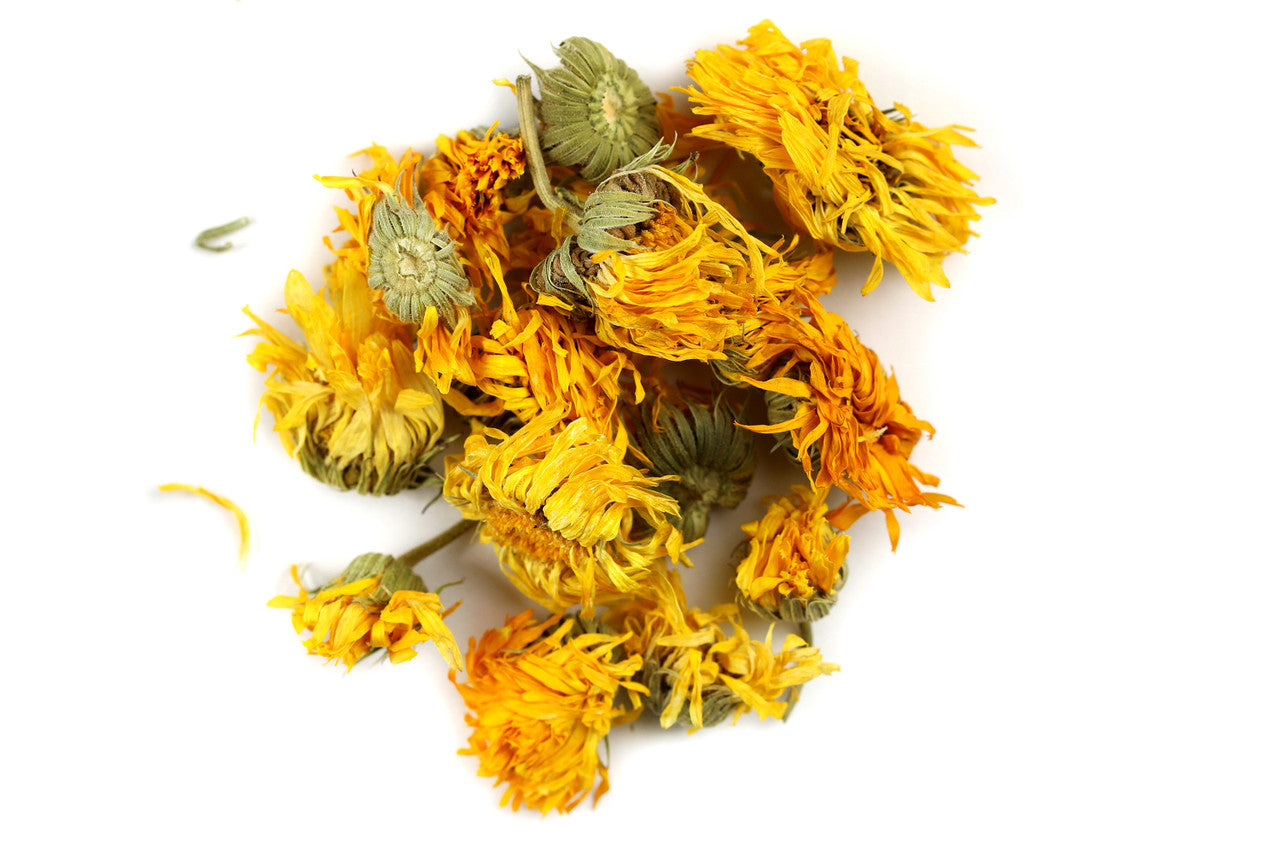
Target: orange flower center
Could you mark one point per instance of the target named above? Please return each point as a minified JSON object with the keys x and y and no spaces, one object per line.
{"x":527,"y":534}
{"x":664,"y":229}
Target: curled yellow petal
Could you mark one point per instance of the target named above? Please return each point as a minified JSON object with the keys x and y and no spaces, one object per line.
{"x":242,"y":520}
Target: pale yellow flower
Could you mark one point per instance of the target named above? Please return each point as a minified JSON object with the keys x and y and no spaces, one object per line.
{"x":348,"y":403}
{"x":701,"y":667}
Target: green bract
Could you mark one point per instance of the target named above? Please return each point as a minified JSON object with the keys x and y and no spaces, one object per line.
{"x":414,"y":263}
{"x":598,"y":113}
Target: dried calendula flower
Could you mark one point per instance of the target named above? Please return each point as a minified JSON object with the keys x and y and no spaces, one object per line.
{"x":792,"y":565}
{"x":713,"y":458}
{"x":541,"y":697}
{"x":349,"y":403}
{"x":415,"y":263}
{"x":400,"y":265}
{"x":470,"y":187}
{"x":570,"y":520}
{"x":598,"y":113}
{"x":838,"y":412}
{"x":663,"y":269}
{"x":378,"y":602}
{"x":844,"y":171}
{"x":699,"y":674}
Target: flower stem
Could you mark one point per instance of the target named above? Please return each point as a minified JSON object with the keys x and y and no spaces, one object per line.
{"x":416,"y":555}
{"x":533,"y":152}
{"x":206,"y":237}
{"x":806,"y":634}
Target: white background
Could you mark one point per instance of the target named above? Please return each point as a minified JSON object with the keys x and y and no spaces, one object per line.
{"x":1083,"y":658}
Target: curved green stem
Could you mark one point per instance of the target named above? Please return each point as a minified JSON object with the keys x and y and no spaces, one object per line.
{"x":533,"y":152}
{"x":206,"y":237}
{"x":416,"y":555}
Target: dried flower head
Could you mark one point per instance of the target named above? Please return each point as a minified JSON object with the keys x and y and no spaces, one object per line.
{"x":414,"y":262}
{"x":792,"y":564}
{"x":710,"y":454}
{"x":838,"y":412}
{"x":467,"y":186}
{"x":541,"y":697}
{"x":376,"y":603}
{"x":845,"y":172}
{"x":598,"y":113}
{"x":348,"y":403}
{"x":571,"y":522}
{"x":699,"y":674}
{"x":664,"y":270}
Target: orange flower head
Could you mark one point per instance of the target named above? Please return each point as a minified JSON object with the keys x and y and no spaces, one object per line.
{"x":541,"y":696}
{"x":662,"y":269}
{"x":465,"y":187}
{"x":845,"y":421}
{"x":845,"y":172}
{"x":792,"y":564}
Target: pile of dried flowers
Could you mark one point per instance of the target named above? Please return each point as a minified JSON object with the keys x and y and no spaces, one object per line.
{"x":598,"y":301}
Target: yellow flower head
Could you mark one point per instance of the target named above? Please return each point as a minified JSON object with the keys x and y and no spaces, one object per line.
{"x":843,"y":171}
{"x":349,"y":403}
{"x":699,"y":674}
{"x":664,"y":270}
{"x":847,"y":424}
{"x":792,"y":564}
{"x":570,"y":520}
{"x":541,"y":697}
{"x":377,"y":603}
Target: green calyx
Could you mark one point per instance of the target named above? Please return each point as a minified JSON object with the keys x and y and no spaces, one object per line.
{"x":718,"y":700}
{"x":598,"y":113}
{"x":780,"y":408}
{"x":393,"y":574}
{"x":713,"y":457}
{"x":364,"y":474}
{"x":611,"y":218}
{"x":414,"y":262}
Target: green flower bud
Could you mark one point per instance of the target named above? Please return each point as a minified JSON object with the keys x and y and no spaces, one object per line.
{"x":704,"y":447}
